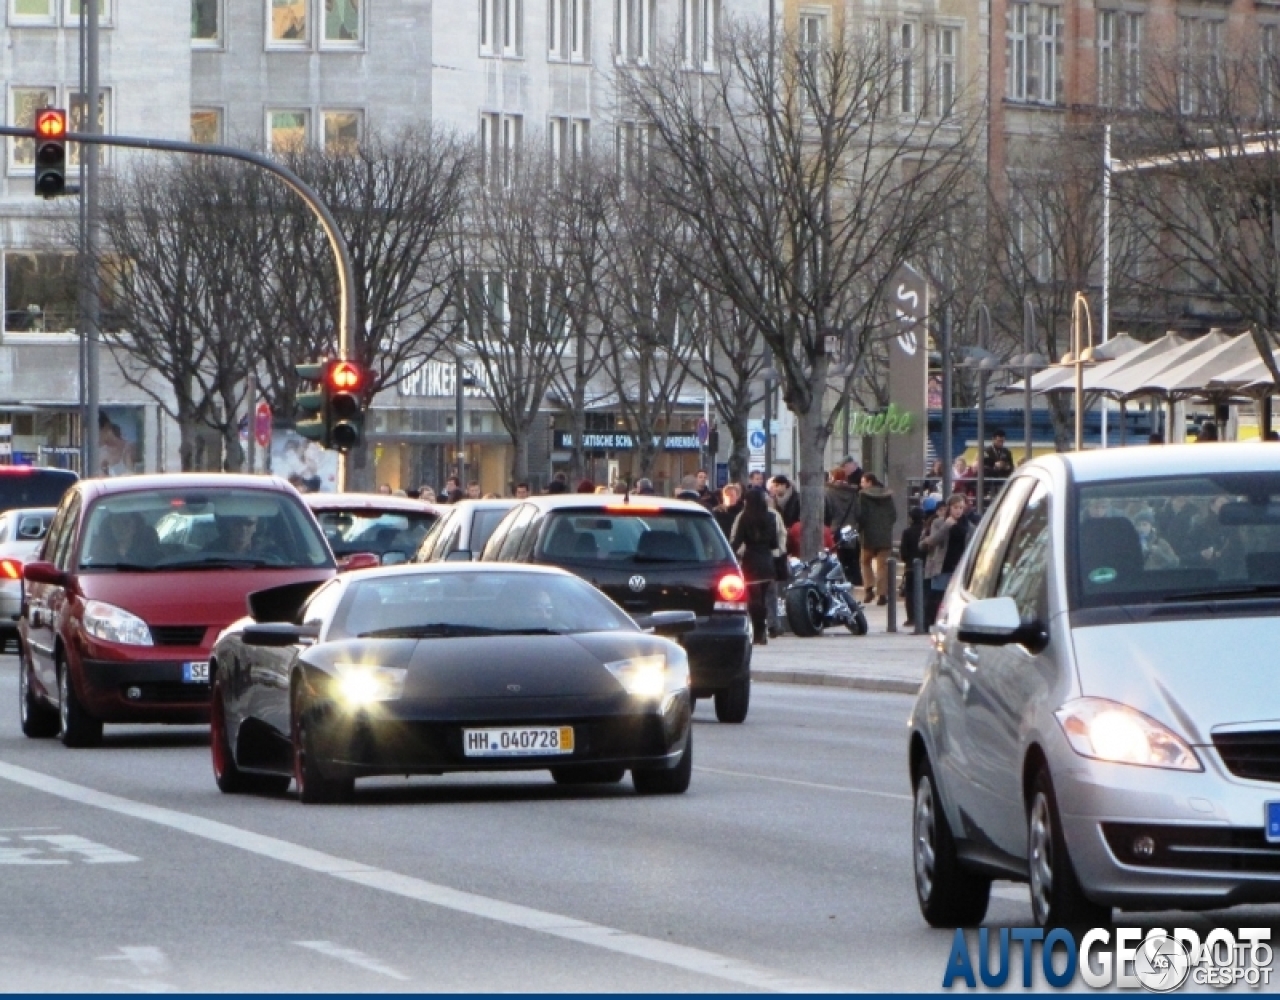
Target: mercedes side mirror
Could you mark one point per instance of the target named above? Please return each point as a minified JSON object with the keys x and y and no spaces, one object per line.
{"x":279,"y":634}
{"x":995,"y":621}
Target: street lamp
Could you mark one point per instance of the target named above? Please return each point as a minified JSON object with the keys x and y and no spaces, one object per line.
{"x":1079,"y":357}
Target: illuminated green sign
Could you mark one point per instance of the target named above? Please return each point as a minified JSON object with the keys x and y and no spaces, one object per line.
{"x":890,"y":421}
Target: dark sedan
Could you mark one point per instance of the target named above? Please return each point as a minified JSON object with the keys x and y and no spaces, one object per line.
{"x":447,"y":667}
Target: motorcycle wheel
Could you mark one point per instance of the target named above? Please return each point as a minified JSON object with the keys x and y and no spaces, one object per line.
{"x":858,"y":623}
{"x":805,"y":611}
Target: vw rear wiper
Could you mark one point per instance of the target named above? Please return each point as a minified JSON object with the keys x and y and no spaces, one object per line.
{"x":1253,"y":590}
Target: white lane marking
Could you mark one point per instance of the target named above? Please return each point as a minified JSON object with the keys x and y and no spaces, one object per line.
{"x":26,"y":856}
{"x":353,"y":957}
{"x":90,"y":853}
{"x":27,"y":829}
{"x":694,"y":960}
{"x":146,"y":961}
{"x":804,"y":784}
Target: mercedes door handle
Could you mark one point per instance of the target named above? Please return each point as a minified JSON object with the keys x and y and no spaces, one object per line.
{"x":971,"y":657}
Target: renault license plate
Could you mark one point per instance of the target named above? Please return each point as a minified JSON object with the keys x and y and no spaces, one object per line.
{"x":195,"y":673}
{"x":1273,"y":822}
{"x":524,"y":741}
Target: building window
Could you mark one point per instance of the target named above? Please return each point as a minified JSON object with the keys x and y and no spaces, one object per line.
{"x":567,"y":140}
{"x":1034,"y":53}
{"x":206,"y":28}
{"x":907,"y":67}
{"x":699,"y":25}
{"x":948,"y":48}
{"x":76,"y":122}
{"x":24,"y":102}
{"x":1268,"y":79}
{"x":1119,"y":44}
{"x":340,"y":132}
{"x":1199,"y":65}
{"x":489,"y":11}
{"x":342,"y":22}
{"x":632,"y":30}
{"x":513,"y":28}
{"x":501,"y":144}
{"x":567,"y":28}
{"x":40,"y":291}
{"x":286,"y":132}
{"x":206,"y":126}
{"x":813,"y":30}
{"x":32,"y":11}
{"x":631,"y":152}
{"x":73,"y":12}
{"x":288,"y":22}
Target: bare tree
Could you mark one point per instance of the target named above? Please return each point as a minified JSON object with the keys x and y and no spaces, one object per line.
{"x":1204,"y":204}
{"x":516,"y":258}
{"x":806,"y":174}
{"x":647,"y":311}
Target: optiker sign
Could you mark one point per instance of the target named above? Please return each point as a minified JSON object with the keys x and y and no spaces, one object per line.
{"x":1127,"y":958}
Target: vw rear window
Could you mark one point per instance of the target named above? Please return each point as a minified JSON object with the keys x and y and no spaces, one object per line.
{"x":22,"y":486}
{"x":639,"y":538}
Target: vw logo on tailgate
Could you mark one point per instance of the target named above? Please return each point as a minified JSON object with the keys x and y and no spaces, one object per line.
{"x":636,"y":583}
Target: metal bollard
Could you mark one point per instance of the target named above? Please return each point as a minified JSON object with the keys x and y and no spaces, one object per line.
{"x":917,"y":595}
{"x":892,"y":588}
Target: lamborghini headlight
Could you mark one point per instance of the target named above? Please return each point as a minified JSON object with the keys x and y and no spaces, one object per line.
{"x":364,"y":684}
{"x":649,"y":676}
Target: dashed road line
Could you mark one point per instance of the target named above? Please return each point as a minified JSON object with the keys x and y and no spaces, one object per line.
{"x":688,"y":959}
{"x":353,"y":957}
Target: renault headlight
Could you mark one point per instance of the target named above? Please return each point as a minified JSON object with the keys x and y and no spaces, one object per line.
{"x":1107,"y":730}
{"x":106,"y":621}
{"x":649,"y":676}
{"x":364,"y":684}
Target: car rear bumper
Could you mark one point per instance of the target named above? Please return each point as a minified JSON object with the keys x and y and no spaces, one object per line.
{"x":143,"y":691}
{"x":363,"y":745}
{"x":719,"y":652}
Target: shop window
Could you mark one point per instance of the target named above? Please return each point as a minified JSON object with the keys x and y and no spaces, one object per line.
{"x":206,"y":126}
{"x":24,"y":102}
{"x":78,"y":123}
{"x":286,"y":132}
{"x":288,"y":23}
{"x":72,"y":15}
{"x":342,"y":22}
{"x":39,"y":292}
{"x":341,"y":132}
{"x":206,"y":26}
{"x":32,"y":10}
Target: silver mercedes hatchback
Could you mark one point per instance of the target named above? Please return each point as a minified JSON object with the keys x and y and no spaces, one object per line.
{"x":1100,"y":716}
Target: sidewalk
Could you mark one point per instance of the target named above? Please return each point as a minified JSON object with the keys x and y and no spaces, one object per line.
{"x":877,"y":661}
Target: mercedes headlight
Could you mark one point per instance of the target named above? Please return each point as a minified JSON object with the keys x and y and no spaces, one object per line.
{"x":362,"y":684}
{"x":649,"y":676}
{"x":1107,"y":730}
{"x":106,"y":621}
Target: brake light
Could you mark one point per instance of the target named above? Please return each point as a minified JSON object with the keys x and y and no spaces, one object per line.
{"x":731,"y":593}
{"x":631,"y":508}
{"x":16,"y":470}
{"x":10,"y":569}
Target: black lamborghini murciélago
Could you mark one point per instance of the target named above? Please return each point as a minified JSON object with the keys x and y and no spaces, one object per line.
{"x":424,"y":669}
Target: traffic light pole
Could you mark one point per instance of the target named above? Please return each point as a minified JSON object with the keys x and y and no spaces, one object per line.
{"x":346,"y":279}
{"x":92,"y":276}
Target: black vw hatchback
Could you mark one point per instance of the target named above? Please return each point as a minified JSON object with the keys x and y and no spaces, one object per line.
{"x":648,"y":554}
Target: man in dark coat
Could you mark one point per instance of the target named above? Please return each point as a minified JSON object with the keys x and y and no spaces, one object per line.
{"x":840,"y":504}
{"x":787,"y":499}
{"x":730,"y":507}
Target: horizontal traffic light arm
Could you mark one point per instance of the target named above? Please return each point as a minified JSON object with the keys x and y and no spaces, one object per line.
{"x":346,"y":274}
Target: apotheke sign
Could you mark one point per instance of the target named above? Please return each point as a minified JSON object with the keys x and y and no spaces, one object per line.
{"x":624,"y":442}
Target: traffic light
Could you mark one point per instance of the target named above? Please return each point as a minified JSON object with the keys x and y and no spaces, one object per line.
{"x":310,"y":422}
{"x":51,"y":152}
{"x":345,"y":387}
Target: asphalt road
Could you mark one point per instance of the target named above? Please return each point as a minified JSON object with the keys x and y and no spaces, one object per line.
{"x":786,"y":867}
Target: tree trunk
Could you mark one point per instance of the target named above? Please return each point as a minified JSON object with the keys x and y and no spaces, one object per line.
{"x":813,"y":434}
{"x":520,"y":453}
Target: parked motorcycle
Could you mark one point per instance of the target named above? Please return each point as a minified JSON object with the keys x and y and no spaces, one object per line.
{"x":819,"y":595}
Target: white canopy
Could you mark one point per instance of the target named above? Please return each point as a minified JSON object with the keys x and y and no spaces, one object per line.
{"x":1193,"y":377}
{"x":1142,"y":379}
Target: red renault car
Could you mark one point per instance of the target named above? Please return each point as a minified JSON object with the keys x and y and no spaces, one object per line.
{"x":136,"y":578}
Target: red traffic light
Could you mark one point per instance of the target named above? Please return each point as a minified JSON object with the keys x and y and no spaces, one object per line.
{"x":51,"y":123}
{"x":346,"y":376}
